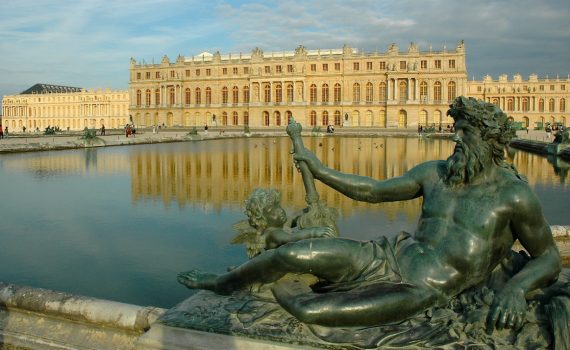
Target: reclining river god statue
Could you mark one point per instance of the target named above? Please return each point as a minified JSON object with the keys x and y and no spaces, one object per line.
{"x":475,"y":206}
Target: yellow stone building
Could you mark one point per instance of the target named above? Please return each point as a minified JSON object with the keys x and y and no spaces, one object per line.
{"x":392,"y":89}
{"x":533,"y":102}
{"x":318,"y":87}
{"x":68,"y":108}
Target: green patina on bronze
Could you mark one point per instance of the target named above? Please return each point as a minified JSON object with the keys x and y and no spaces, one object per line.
{"x":455,"y":279}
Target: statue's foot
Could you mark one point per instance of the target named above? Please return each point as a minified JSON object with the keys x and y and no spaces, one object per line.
{"x":196,"y":279}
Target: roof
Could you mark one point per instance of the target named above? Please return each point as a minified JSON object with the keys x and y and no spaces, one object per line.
{"x":49,"y":88}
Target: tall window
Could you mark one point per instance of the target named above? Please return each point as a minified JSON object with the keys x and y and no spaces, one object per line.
{"x":139,"y":97}
{"x":337,"y":117}
{"x":147,"y":97}
{"x":289,"y":115}
{"x":510,"y":105}
{"x":198,"y":98}
{"x":225,"y":95}
{"x":246,"y":94}
{"x":278,"y":92}
{"x":403,"y":90}
{"x":423,"y":91}
{"x":562,"y":105}
{"x":172,"y":96}
{"x":208,"y":96}
{"x":369,"y":92}
{"x":437,"y":92}
{"x":313,"y":118}
{"x":382,"y":92}
{"x":277,"y":118}
{"x":325,"y":118}
{"x":289,"y":92}
{"x":356,"y":92}
{"x":224,"y":118}
{"x":451,"y":91}
{"x":245,"y":118}
{"x":541,"y":105}
{"x":157,"y":96}
{"x":235,"y":118}
{"x":337,"y":93}
{"x":313,"y":93}
{"x":325,"y":93}
{"x":235,"y":94}
{"x":266,"y":118}
{"x":187,"y":94}
{"x":525,"y":105}
{"x":267,"y":93}
{"x":551,"y":105}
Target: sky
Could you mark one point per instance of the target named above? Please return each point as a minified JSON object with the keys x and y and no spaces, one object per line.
{"x":89,"y":43}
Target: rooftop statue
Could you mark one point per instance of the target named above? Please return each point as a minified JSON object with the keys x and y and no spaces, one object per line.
{"x":475,"y":206}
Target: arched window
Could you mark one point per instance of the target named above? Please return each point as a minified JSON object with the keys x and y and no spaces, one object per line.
{"x":382,"y":92}
{"x":541,"y":105}
{"x":245,"y":118}
{"x":235,"y":95}
{"x":313,"y":93}
{"x":246,"y":94}
{"x":267,"y":93}
{"x":187,"y":94}
{"x":235,"y":118}
{"x":551,"y":105}
{"x":356,"y":92}
{"x":369,"y":92}
{"x":278,"y":93}
{"x":147,"y":97}
{"x":525,"y":104}
{"x":289,"y":92}
{"x":208,"y":95}
{"x":325,"y":93}
{"x":337,"y":117}
{"x":198,"y":94}
{"x":325,"y":118}
{"x":510,"y":105}
{"x":171,"y":96}
{"x":277,"y":118}
{"x":139,"y":97}
{"x":423,"y":92}
{"x":437,"y":92}
{"x":313,"y":118}
{"x":157,"y":97}
{"x":266,"y":118}
{"x":289,"y":115}
{"x":403,"y":91}
{"x":225,"y":95}
{"x":224,"y":118}
{"x":562,"y":105}
{"x":451,"y":91}
{"x":337,"y":93}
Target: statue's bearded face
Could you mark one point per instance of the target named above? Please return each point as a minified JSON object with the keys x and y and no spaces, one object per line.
{"x":471,"y":154}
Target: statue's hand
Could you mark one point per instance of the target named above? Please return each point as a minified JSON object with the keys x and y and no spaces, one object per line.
{"x":508,"y":310}
{"x":323,"y":232}
{"x":308,"y":157}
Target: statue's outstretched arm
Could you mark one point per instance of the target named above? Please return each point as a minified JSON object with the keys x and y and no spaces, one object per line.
{"x":362,"y":188}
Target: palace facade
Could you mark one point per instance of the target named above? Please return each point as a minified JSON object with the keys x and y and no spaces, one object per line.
{"x":317,"y":87}
{"x":392,"y":89}
{"x":69,"y":108}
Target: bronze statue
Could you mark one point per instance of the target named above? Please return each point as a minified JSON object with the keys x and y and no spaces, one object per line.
{"x":475,"y":205}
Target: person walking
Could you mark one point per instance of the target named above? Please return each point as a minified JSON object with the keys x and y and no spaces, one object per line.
{"x":1,"y":132}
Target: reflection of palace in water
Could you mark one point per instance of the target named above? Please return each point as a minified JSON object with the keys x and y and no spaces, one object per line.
{"x":224,"y":176}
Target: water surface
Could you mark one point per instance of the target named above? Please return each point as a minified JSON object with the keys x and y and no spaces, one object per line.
{"x":120,"y":222}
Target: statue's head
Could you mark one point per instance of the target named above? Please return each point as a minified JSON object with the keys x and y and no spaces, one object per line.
{"x":263,"y":208}
{"x":473,"y":154}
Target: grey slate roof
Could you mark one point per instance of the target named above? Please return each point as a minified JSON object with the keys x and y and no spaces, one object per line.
{"x":49,"y":88}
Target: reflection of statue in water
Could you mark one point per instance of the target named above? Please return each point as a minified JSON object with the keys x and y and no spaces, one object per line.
{"x":475,"y":206}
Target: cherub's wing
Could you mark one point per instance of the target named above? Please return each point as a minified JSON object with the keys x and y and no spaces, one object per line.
{"x":245,"y":233}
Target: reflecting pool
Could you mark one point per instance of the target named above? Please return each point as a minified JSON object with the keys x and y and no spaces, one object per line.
{"x":120,"y":222}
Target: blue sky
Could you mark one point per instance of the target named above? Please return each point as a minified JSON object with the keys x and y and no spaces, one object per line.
{"x":89,"y":43}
